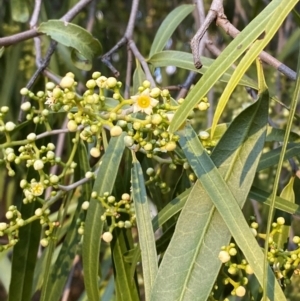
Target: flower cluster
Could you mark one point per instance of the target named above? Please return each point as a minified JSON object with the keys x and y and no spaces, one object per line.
{"x":98,"y":111}
{"x":283,"y":262}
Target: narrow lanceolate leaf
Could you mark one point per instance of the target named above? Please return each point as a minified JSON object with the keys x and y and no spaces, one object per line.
{"x":230,"y":54}
{"x":72,"y":35}
{"x":265,"y":197}
{"x":93,"y":225}
{"x":168,"y":26}
{"x":60,"y":270}
{"x":125,"y":284}
{"x":184,"y":60}
{"x":228,"y":208}
{"x":145,"y":231}
{"x":236,"y":155}
{"x":287,"y":193}
{"x":275,"y":21}
{"x":24,"y":257}
{"x":138,"y":77}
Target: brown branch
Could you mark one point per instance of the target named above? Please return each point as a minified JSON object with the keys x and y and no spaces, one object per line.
{"x":143,"y":62}
{"x":125,"y":39}
{"x":31,"y":33}
{"x":216,"y":10}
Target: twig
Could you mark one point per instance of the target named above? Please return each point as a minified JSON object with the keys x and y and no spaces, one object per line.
{"x":143,"y":62}
{"x":128,"y":73}
{"x":216,"y":10}
{"x":265,"y":57}
{"x":35,"y":14}
{"x":31,"y":33}
{"x":127,"y":36}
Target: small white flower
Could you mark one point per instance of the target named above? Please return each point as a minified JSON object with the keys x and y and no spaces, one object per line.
{"x":37,"y":189}
{"x":143,"y":102}
{"x":50,"y":101}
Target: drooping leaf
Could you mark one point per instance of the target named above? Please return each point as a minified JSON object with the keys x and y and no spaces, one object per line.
{"x":93,"y":226}
{"x":72,"y":35}
{"x":24,"y":257}
{"x":239,"y":146}
{"x":60,"y":270}
{"x":230,"y":54}
{"x":168,"y":26}
{"x":19,"y":10}
{"x":275,"y":20}
{"x":145,"y":231}
{"x":184,"y":60}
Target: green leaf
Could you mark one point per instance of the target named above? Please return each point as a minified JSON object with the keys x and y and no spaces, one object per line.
{"x":24,"y":256}
{"x":228,"y":208}
{"x":2,"y":51}
{"x":199,"y":219}
{"x":5,"y":267}
{"x":280,"y":203}
{"x":145,"y":231}
{"x":19,"y":11}
{"x":138,"y":77}
{"x":61,"y":268}
{"x":93,"y":225}
{"x":72,"y":35}
{"x":275,"y":20}
{"x":228,"y":57}
{"x":168,"y":26}
{"x":184,"y":60}
{"x":271,"y":158}
{"x":126,"y":286}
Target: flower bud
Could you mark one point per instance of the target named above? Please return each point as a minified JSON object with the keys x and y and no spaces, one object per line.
{"x":95,"y":152}
{"x":224,"y":256}
{"x":9,"y":126}
{"x":38,"y":165}
{"x":116,"y":131}
{"x":107,"y":236}
{"x":66,"y":82}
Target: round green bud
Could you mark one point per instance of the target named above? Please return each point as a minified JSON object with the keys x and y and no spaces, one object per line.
{"x":44,"y":242}
{"x":202,"y":106}
{"x":31,"y":137}
{"x":4,"y":109}
{"x":280,"y":221}
{"x":156,"y":119}
{"x":11,"y":157}
{"x":23,"y":183}
{"x":67,"y":82}
{"x":38,"y":212}
{"x":128,"y":141}
{"x":116,"y":131}
{"x":20,"y":222}
{"x":9,"y":215}
{"x":72,"y":126}
{"x":127,"y":224}
{"x":116,"y":96}
{"x":111,"y":82}
{"x":170,"y":146}
{"x":54,"y":179}
{"x":91,"y":84}
{"x":94,"y":194}
{"x":51,"y":146}
{"x":11,"y":173}
{"x":240,"y":291}
{"x":125,"y":197}
{"x":148,"y":146}
{"x":149,"y":171}
{"x":24,"y":91}
{"x":96,"y":74}
{"x":204,"y":135}
{"x":107,"y":236}
{"x":232,"y":251}
{"x":95,"y":152}
{"x":3,"y":226}
{"x":89,"y":174}
{"x":296,"y":239}
{"x":155,"y":92}
{"x":146,"y":84}
{"x":38,"y":165}
{"x":111,"y":199}
{"x":224,"y":256}
{"x":248,"y":269}
{"x":50,"y":86}
{"x":80,"y":230}
{"x":85,"y":205}
{"x":9,"y":126}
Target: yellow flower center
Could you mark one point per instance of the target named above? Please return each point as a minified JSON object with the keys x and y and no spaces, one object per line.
{"x":144,"y":101}
{"x":37,"y":189}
